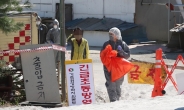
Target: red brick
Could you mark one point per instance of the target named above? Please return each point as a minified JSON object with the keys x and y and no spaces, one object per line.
{"x":27,"y":27}
{"x":22,"y":33}
{"x":16,"y":39}
{"x":11,"y":58}
{"x":11,"y":46}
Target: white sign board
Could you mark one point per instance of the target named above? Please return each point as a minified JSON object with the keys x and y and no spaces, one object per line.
{"x":180,"y":82}
{"x":39,"y":73}
{"x":80,"y":84}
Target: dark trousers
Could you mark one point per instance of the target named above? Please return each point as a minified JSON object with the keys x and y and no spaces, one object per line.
{"x":113,"y":88}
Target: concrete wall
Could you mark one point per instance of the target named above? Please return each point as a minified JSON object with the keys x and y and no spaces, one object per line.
{"x":155,"y":19}
{"x":96,"y":38}
{"x":120,"y":9}
{"x":133,"y":35}
{"x":44,"y":8}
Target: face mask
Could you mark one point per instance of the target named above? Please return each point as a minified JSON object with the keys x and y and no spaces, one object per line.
{"x":55,"y":26}
{"x":38,"y":22}
{"x":111,"y":37}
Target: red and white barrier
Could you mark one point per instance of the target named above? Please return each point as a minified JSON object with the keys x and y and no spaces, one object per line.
{"x":55,"y":47}
{"x":159,"y":86}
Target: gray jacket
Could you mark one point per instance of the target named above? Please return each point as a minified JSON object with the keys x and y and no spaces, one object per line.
{"x":53,"y":35}
{"x":124,"y":53}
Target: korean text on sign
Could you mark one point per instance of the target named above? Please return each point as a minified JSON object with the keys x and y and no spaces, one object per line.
{"x":72,"y":86}
{"x":85,"y":84}
{"x":38,"y":73}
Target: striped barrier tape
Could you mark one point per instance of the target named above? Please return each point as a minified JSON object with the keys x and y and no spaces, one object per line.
{"x":54,"y":47}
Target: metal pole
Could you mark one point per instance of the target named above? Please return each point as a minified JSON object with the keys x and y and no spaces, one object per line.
{"x":153,"y":3}
{"x":169,"y":21}
{"x":180,"y":39}
{"x":178,"y":11}
{"x":62,"y":27}
{"x":103,"y":9}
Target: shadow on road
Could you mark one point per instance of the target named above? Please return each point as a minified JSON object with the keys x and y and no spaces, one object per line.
{"x":181,"y":108}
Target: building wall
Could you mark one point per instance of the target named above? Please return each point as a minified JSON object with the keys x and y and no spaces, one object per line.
{"x":155,"y":19}
{"x":44,"y":8}
{"x":120,"y":9}
{"x":96,"y":38}
{"x":133,"y":35}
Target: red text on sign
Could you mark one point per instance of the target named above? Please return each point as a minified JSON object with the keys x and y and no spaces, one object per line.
{"x":85,"y":83}
{"x":135,"y":74}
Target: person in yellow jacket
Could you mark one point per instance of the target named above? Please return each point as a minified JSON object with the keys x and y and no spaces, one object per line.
{"x":79,"y":46}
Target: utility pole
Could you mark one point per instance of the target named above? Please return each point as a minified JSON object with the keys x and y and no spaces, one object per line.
{"x":169,"y":2}
{"x":63,"y":42}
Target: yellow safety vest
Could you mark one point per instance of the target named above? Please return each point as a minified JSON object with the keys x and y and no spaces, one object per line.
{"x":80,"y":52}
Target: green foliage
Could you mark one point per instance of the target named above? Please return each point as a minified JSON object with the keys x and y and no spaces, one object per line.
{"x":7,"y":24}
{"x":4,"y":69}
{"x":18,"y":95}
{"x":2,"y":102}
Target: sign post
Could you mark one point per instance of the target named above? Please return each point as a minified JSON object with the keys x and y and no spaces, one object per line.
{"x":80,"y":82}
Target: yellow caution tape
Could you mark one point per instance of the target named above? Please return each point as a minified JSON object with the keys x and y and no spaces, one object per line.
{"x":143,"y":73}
